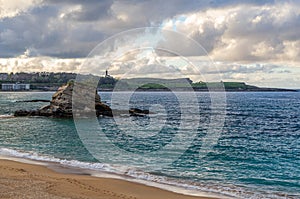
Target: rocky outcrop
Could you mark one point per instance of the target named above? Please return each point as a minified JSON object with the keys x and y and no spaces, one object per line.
{"x":61,"y":104}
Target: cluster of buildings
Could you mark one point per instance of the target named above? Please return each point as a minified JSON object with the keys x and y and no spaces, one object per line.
{"x":4,"y":77}
{"x":23,"y":76}
{"x":37,"y":80}
{"x":22,"y":81}
{"x":15,"y":87}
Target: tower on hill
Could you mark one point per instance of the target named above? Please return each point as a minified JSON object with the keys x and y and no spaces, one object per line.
{"x":106,"y":74}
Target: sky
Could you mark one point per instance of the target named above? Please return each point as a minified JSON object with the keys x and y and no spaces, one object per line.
{"x":257,"y":42}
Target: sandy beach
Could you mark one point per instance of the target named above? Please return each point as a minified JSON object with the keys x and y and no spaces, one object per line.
{"x":22,"y":180}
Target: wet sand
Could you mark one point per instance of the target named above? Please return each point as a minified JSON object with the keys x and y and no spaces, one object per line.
{"x":22,"y":180}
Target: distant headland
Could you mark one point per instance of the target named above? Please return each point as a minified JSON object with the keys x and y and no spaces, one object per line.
{"x":50,"y":81}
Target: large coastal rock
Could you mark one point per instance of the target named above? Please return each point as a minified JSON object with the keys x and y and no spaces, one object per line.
{"x":61,"y":104}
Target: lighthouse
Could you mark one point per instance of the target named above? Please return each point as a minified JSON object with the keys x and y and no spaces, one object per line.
{"x":106,"y":74}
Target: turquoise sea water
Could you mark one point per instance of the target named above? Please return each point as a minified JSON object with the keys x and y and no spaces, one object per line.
{"x":257,"y":154}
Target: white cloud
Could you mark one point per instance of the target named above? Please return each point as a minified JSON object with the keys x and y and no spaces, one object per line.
{"x":243,"y":33}
{"x":39,"y":64}
{"x":9,"y":8}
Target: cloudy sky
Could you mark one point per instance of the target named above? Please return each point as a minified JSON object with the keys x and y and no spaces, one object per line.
{"x":253,"y":41}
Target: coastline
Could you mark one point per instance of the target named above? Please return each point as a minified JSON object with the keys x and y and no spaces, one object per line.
{"x":19,"y":178}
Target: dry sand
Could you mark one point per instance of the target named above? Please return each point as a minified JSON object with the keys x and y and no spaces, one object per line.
{"x":22,"y":180}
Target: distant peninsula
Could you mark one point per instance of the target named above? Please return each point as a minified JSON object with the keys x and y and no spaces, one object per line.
{"x":184,"y":84}
{"x":45,"y":81}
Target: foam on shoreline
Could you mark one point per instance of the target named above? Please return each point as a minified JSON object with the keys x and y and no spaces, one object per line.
{"x":105,"y":171}
{"x":133,"y":175}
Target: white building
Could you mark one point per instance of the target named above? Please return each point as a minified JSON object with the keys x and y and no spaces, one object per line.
{"x":15,"y":87}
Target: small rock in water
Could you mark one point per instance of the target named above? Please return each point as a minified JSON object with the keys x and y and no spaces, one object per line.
{"x":35,"y":100}
{"x":22,"y":113}
{"x":138,"y":112}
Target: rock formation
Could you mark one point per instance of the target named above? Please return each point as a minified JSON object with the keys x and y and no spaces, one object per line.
{"x":61,"y":104}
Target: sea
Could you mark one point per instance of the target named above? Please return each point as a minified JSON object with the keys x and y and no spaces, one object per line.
{"x":248,"y":147}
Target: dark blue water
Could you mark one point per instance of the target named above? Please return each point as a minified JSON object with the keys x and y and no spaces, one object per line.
{"x":257,"y":153}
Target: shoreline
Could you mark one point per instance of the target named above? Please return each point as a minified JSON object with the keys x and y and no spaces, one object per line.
{"x":17,"y":171}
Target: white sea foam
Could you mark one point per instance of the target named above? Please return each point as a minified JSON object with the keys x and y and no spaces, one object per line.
{"x":135,"y":175}
{"x":6,"y":116}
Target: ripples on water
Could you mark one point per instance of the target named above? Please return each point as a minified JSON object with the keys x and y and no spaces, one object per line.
{"x":257,"y":155}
